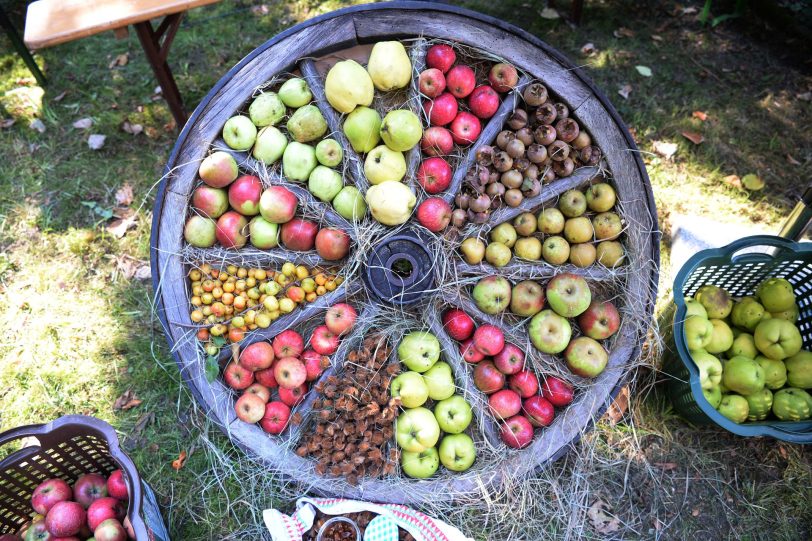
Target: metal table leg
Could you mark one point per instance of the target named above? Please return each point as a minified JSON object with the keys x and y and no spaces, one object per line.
{"x":22,"y":50}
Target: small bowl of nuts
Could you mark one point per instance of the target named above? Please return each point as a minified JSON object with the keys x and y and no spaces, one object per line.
{"x":339,"y":529}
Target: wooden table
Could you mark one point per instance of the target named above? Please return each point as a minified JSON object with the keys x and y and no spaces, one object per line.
{"x":51,"y":22}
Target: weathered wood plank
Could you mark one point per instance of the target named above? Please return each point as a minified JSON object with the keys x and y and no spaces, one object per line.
{"x":417,"y":54}
{"x":542,"y":270}
{"x":254,"y":257}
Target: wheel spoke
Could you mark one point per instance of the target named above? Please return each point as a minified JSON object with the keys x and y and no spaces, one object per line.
{"x":253,"y":257}
{"x":417,"y":54}
{"x":526,"y":270}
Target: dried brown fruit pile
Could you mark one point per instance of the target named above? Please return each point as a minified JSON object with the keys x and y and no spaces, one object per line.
{"x":354,"y":417}
{"x":336,"y":534}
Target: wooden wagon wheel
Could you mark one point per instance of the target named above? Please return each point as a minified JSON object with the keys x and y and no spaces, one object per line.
{"x":339,"y":34}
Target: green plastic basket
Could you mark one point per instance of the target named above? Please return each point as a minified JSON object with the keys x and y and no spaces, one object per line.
{"x":738,"y":268}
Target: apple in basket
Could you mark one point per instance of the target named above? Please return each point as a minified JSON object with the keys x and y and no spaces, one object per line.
{"x":276,"y":417}
{"x":117,"y":486}
{"x":288,"y":343}
{"x":89,"y":488}
{"x":340,"y":318}
{"x":48,"y":493}
{"x":458,"y":324}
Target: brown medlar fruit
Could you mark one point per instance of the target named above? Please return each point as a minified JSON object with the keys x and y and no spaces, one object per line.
{"x":544,"y":134}
{"x":512,"y":178}
{"x":533,"y":170}
{"x":531,"y":187}
{"x":535,"y":94}
{"x":564,"y":168}
{"x":515,"y":149}
{"x":484,"y":155}
{"x":504,"y":137}
{"x":536,"y":153}
{"x":558,"y":151}
{"x":513,"y":198}
{"x":546,"y":113}
{"x":581,"y":141}
{"x":518,"y":119}
{"x":480,"y":204}
{"x":590,"y":155}
{"x":458,"y":218}
{"x":567,"y":129}
{"x":561,"y":110}
{"x":521,"y":164}
{"x":497,"y":189}
{"x":525,"y":135}
{"x":502,"y":162}
{"x":461,"y":200}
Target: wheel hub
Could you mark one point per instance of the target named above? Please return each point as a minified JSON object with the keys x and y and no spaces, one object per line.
{"x":400,"y":269}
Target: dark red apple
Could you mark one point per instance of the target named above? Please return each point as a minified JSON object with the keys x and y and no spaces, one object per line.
{"x":299,"y":234}
{"x":437,"y":141}
{"x":460,"y":81}
{"x":539,"y":411}
{"x":244,"y":194}
{"x":276,"y":417}
{"x":232,"y":230}
{"x":49,"y":493}
{"x":288,"y":343}
{"x":434,"y":214}
{"x":517,"y":432}
{"x":503,"y":77}
{"x":557,"y":391}
{"x":469,"y":353}
{"x":458,"y":324}
{"x":441,"y":110}
{"x":431,"y":82}
{"x":89,"y":488}
{"x":441,"y":57}
{"x":237,"y":377}
{"x":483,"y":101}
{"x":525,"y":383}
{"x":489,"y":340}
{"x":465,"y":128}
{"x":504,"y":404}
{"x":510,"y":360}
{"x":600,"y":321}
{"x":102,"y":509}
{"x":292,"y":397}
{"x":65,"y":518}
{"x":208,"y":201}
{"x":434,"y":175}
{"x":117,"y":486}
{"x":266,"y":378}
{"x":332,"y":244}
{"x":257,"y":356}
{"x":324,"y":341}
{"x":488,"y":378}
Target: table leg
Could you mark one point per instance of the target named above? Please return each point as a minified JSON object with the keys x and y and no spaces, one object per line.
{"x":22,"y":50}
{"x":157,"y":51}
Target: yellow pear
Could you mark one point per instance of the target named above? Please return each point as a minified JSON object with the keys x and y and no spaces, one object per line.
{"x":389,"y":65}
{"x":391,"y":202}
{"x":383,"y":164}
{"x":348,"y":85}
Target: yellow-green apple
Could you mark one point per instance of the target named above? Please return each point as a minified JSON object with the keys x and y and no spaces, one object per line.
{"x":460,"y":80}
{"x":209,"y":202}
{"x":503,"y":77}
{"x":298,"y":161}
{"x":431,"y":82}
{"x":350,"y":204}
{"x":362,"y":128}
{"x":483,"y":101}
{"x":307,"y":124}
{"x":572,"y":203}
{"x":488,"y":378}
{"x":549,"y":332}
{"x":492,"y":294}
{"x":411,"y":388}
{"x":557,"y":391}
{"x":744,"y":345}
{"x":200,"y":231}
{"x":525,"y":224}
{"x":48,"y":493}
{"x":528,"y":248}
{"x":104,"y":509}
{"x":504,"y":404}
{"x":442,"y":110}
{"x":524,"y":382}
{"x":420,"y":465}
{"x":775,"y":372}
{"x":258,"y":389}
{"x":465,"y":128}
{"x":332,"y":244}
{"x":65,"y":519}
{"x":551,"y":221}
{"x":586,"y":357}
{"x":698,"y":332}
{"x":504,"y":233}
{"x":110,"y":530}
{"x":473,"y":250}
{"x":710,"y":368}
{"x":458,"y":324}
{"x":267,"y":109}
{"x":555,"y":250}
{"x":250,"y":408}
{"x":434,"y":175}
{"x":295,"y":93}
{"x":713,"y":396}
{"x":383,"y":164}
{"x":299,"y":234}
{"x":568,"y":294}
{"x":790,"y":315}
{"x":694,"y":308}
{"x":759,"y":405}
{"x":742,"y":375}
{"x":244,"y":194}
{"x":419,"y":350}
{"x":441,"y":56}
{"x":401,"y":130}
{"x":792,"y":404}
{"x":440,"y":381}
{"x":527,"y":298}
{"x":262,"y":233}
{"x":583,"y":255}
{"x":340,"y":318}
{"x":257,"y":356}
{"x":510,"y":360}
{"x":278,"y":204}
{"x":348,"y":85}
{"x":434,"y":214}
{"x":389,"y":66}
{"x":270,"y":145}
{"x":437,"y":141}
{"x":323,"y":341}
{"x":416,"y":430}
{"x":117,"y":486}
{"x":734,"y":407}
{"x":288,"y":343}
{"x":239,"y":132}
{"x":600,"y":320}
{"x":289,"y":372}
{"x":489,"y":340}
{"x":390,"y":202}
{"x":498,"y":254}
{"x":469,"y":353}
{"x":777,"y":338}
{"x":600,"y":197}
{"x":329,"y":152}
{"x":453,"y":414}
{"x":232,"y":230}
{"x":721,"y":337}
{"x":799,"y":370}
{"x":607,"y":226}
{"x":276,"y":417}
{"x":517,"y":432}
{"x":325,"y":183}
{"x":539,"y":411}
{"x":610,"y":253}
{"x":716,"y":301}
{"x":218,"y":169}
{"x":457,"y":452}
{"x":747,"y":313}
{"x":776,"y":294}
{"x":237,"y":377}
{"x":578,"y":230}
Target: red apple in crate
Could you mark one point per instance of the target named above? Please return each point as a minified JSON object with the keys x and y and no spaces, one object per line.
{"x":458,"y":324}
{"x":441,"y":110}
{"x":266,"y":378}
{"x":437,"y":141}
{"x":244,"y":194}
{"x":35,"y":531}
{"x":483,"y":101}
{"x":323,"y":340}
{"x":110,"y":530}
{"x":275,"y":418}
{"x":488,"y":378}
{"x":218,"y":169}
{"x":489,"y":340}
{"x":525,"y":383}
{"x":340,"y":318}
{"x":460,"y":81}
{"x":600,"y":321}
{"x":292,"y":397}
{"x":117,"y":486}
{"x":89,"y":488}
{"x":504,"y":404}
{"x":289,"y":372}
{"x":434,"y":214}
{"x":465,"y":128}
{"x":503,"y":77}
{"x":539,"y":411}
{"x":299,"y":234}
{"x":232,"y":230}
{"x":557,"y":391}
{"x":315,"y":364}
{"x":49,"y":493}
{"x":278,"y":204}
{"x":441,"y":57}
{"x":102,"y":509}
{"x":431,"y":82}
{"x":434,"y":175}
{"x":510,"y":360}
{"x":469,"y":352}
{"x":65,"y":519}
{"x":258,"y":389}
{"x":332,"y":244}
{"x":210,"y":202}
{"x":237,"y":377}
{"x":288,"y":343}
{"x":517,"y":432}
{"x":250,"y":408}
{"x":258,"y":356}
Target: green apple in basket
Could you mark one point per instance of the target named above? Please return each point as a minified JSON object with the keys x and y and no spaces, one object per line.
{"x":721,"y":337}
{"x":716,"y":301}
{"x":713,"y":396}
{"x":416,"y":430}
{"x":440,"y":381}
{"x":694,"y":308}
{"x":411,"y":388}
{"x":457,"y":452}
{"x":325,"y":183}
{"x":350,"y":204}
{"x":776,"y":294}
{"x":419,"y":350}
{"x":775,"y":372}
{"x":742,"y":375}
{"x":453,"y":414}
{"x":734,"y":407}
{"x":799,"y":370}
{"x":698,"y":332}
{"x":777,"y":338}
{"x":747,"y":313}
{"x":307,"y":124}
{"x":298,"y":161}
{"x":743,"y":345}
{"x":294,"y":92}
{"x":420,"y":465}
{"x":710,"y":369}
{"x":792,"y":404}
{"x":759,"y":404}
{"x":267,"y":109}
{"x":790,"y":315}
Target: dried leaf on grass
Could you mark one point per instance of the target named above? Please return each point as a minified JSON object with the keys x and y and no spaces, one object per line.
{"x":6,"y":123}
{"x":124,"y":195}
{"x":656,"y":37}
{"x":588,"y":49}
{"x":178,"y":463}
{"x":624,"y":91}
{"x":792,"y":161}
{"x":601,"y":519}
{"x":130,"y":267}
{"x":666,"y":466}
{"x":695,"y":138}
{"x":665,"y":149}
{"x":96,"y":141}
{"x":260,"y":10}
{"x":59,"y":97}
{"x":132,"y":129}
{"x":120,"y":60}
{"x":701,"y":115}
{"x":623,"y":32}
{"x":618,"y":407}
{"x":118,"y":227}
{"x":733,"y":180}
{"x":128,"y":400}
{"x":83,"y":123}
{"x":549,"y":13}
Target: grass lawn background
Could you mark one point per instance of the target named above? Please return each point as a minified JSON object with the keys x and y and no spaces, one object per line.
{"x":76,"y":314}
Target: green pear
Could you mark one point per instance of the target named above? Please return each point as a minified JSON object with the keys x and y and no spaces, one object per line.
{"x":389,"y":66}
{"x":307,"y":124}
{"x":362,"y":128}
{"x":776,"y":294}
{"x":270,"y":145}
{"x":710,"y":369}
{"x":383,"y":164}
{"x":348,"y":85}
{"x":267,"y":109}
{"x":298,"y":161}
{"x":775,"y":372}
{"x":401,"y":129}
{"x":713,"y":396}
{"x":790,"y":314}
{"x":694,"y":307}
{"x":350,"y":204}
{"x":698,"y":332}
{"x":294,"y":92}
{"x":734,"y":407}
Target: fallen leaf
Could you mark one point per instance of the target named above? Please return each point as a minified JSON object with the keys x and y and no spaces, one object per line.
{"x":624,"y":91}
{"x":588,"y":49}
{"x":601,"y":519}
{"x":665,"y":149}
{"x":59,"y":97}
{"x":83,"y":123}
{"x":126,"y":401}
{"x":6,"y":123}
{"x":144,"y":272}
{"x":656,"y":37}
{"x":38,"y":125}
{"x":752,"y":182}
{"x":623,"y":32}
{"x":133,"y":129}
{"x":733,"y":180}
{"x":783,"y":452}
{"x":666,"y":466}
{"x":792,"y":161}
{"x":645,"y":71}
{"x":618,"y":407}
{"x":549,"y":13}
{"x":119,"y":227}
{"x":260,"y":10}
{"x":120,"y":60}
{"x":695,"y":138}
{"x":96,"y":141}
{"x":701,"y":115}
{"x":688,"y":10}
{"x":143,"y":422}
{"x":695,"y":512}
{"x":124,"y":195}
{"x":170,"y":126}
{"x":152,"y":132}
{"x":178,"y":463}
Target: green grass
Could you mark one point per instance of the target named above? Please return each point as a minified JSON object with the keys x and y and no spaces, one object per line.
{"x":78,"y":333}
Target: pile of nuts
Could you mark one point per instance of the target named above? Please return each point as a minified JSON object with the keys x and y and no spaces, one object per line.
{"x":342,"y":530}
{"x":540,"y":143}
{"x":354,"y":417}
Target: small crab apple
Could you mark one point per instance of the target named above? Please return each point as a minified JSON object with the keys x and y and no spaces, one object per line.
{"x":276,"y":417}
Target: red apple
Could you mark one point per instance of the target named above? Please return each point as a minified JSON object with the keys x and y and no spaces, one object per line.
{"x":232,"y":230}
{"x":332,"y":244}
{"x":110,"y":530}
{"x":260,"y":390}
{"x":483,"y":101}
{"x":276,"y":417}
{"x":244,"y":194}
{"x":289,"y":372}
{"x":525,"y":383}
{"x":117,"y":486}
{"x":218,"y":169}
{"x":323,"y":340}
{"x":489,"y":340}
{"x":441,"y":57}
{"x":278,"y":204}
{"x":102,"y":509}
{"x":266,"y":378}
{"x":237,"y":377}
{"x":557,"y":391}
{"x":469,"y":352}
{"x":465,"y":128}
{"x":340,"y":318}
{"x":510,"y":360}
{"x":539,"y":411}
{"x":434,"y":175}
{"x":49,"y":493}
{"x":437,"y":141}
{"x":258,"y":356}
{"x":517,"y":432}
{"x":441,"y":110}
{"x":129,"y":527}
{"x":600,"y":321}
{"x":504,"y":404}
{"x":250,"y":408}
{"x":503,"y":77}
{"x":65,"y":518}
{"x":299,"y":234}
{"x":315,"y":364}
{"x":288,"y":343}
{"x":434,"y":214}
{"x":488,"y":378}
{"x":210,"y":202}
{"x":460,"y":81}
{"x":431,"y":82}
{"x":89,"y":488}
{"x":458,"y":324}
{"x":292,"y":397}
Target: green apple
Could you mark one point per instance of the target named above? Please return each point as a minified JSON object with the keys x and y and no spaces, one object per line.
{"x":383,"y":164}
{"x":713,"y":396}
{"x":549,"y":332}
{"x":350,"y":204}
{"x":695,"y":308}
{"x":734,"y":407}
{"x":348,"y":85}
{"x":298,"y":161}
{"x":270,"y":145}
{"x":295,"y":93}
{"x":329,"y":152}
{"x":307,"y":124}
{"x":743,"y":345}
{"x":420,"y":465}
{"x":792,"y":404}
{"x":389,"y":66}
{"x":262,"y":233}
{"x":416,"y":430}
{"x":440,"y":381}
{"x":473,"y":250}
{"x":776,"y":294}
{"x":201,"y":231}
{"x":742,"y":375}
{"x":504,"y":233}
{"x":239,"y":132}
{"x":799,"y":370}
{"x":721,"y":337}
{"x":710,"y":368}
{"x":401,"y":130}
{"x":453,"y":414}
{"x":325,"y":183}
{"x":457,"y":452}
{"x":716,"y":301}
{"x":790,"y":315}
{"x":759,"y":405}
{"x":362,"y":128}
{"x":698,"y":332}
{"x":267,"y":109}
{"x":747,"y":313}
{"x":492,"y":294}
{"x":411,"y":388}
{"x":551,"y":221}
{"x":777,"y":338}
{"x":419,"y":350}
{"x":775,"y":372}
